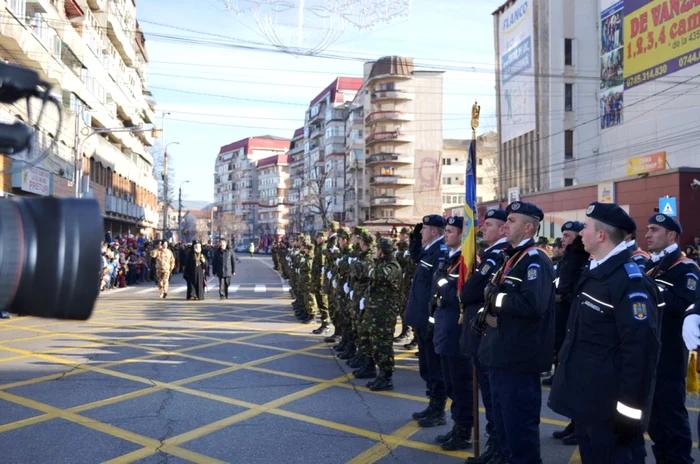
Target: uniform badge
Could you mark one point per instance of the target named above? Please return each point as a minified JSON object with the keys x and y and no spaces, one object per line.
{"x":692,"y":284}
{"x":485,"y":269}
{"x":639,"y":310}
{"x":515,"y":206}
{"x":590,"y":209}
{"x":490,"y":213}
{"x":532,"y":272}
{"x":568,"y":225}
{"x":451,"y":220}
{"x":660,"y":218}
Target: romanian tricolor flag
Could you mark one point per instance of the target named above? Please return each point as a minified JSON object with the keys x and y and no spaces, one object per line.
{"x":468,"y":263}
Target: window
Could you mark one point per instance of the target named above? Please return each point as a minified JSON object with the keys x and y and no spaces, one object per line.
{"x":568,"y":144}
{"x":568,"y":182}
{"x":387,"y":86}
{"x":480,"y":162}
{"x":447,"y":161}
{"x":479,"y":181}
{"x":568,"y":97}
{"x":568,"y":52}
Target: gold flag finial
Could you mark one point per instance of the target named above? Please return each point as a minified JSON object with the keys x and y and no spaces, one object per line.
{"x":476,"y":109}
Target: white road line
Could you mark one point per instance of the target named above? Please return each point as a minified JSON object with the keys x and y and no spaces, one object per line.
{"x":260,"y":288}
{"x":146,"y":290}
{"x":113,"y":291}
{"x":178,"y":290}
{"x":233,"y":288}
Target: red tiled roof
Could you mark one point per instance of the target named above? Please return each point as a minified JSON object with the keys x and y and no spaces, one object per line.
{"x":200,"y":213}
{"x":339,"y":84}
{"x":251,"y":143}
{"x":273,"y":160}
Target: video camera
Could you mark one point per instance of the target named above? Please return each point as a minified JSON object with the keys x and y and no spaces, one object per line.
{"x":49,"y":247}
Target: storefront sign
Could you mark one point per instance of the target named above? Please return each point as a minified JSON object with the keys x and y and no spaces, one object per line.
{"x":35,"y":180}
{"x":606,"y":192}
{"x":646,"y":163}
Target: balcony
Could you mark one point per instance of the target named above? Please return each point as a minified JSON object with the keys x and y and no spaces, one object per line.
{"x":390,"y":158}
{"x":386,"y":95}
{"x":392,"y":180}
{"x":121,"y":30}
{"x":391,"y":201}
{"x":395,"y":136}
{"x":123,"y":207}
{"x":320,"y":115}
{"x":335,"y":114}
{"x":378,"y":116}
{"x":297,"y":149}
{"x":315,"y":132}
{"x":98,"y":5}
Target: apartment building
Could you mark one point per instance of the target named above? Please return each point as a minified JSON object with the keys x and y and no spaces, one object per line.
{"x":237,"y":185}
{"x":403,"y":141}
{"x":273,"y":206}
{"x":94,"y":54}
{"x":295,"y":158}
{"x":357,"y":192}
{"x":323,"y":179}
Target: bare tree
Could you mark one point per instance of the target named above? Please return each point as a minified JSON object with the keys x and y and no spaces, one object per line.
{"x":319,"y":199}
{"x":158,"y":154}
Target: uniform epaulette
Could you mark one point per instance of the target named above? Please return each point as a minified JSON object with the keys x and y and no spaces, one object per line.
{"x":633,"y":271}
{"x":533,"y":252}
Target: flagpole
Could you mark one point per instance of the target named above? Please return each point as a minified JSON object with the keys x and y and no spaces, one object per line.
{"x":476,"y":109}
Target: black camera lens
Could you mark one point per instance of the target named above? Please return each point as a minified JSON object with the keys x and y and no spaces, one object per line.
{"x":50,"y":256}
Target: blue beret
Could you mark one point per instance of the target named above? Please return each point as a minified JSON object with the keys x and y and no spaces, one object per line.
{"x":499,"y":214}
{"x":528,"y":209}
{"x":612,"y":215}
{"x":456,"y":221}
{"x":572,"y":225}
{"x":434,"y":220}
{"x":667,"y":222}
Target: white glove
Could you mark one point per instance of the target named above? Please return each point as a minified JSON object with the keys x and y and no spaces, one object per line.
{"x":323,"y":269}
{"x":352,"y":293}
{"x":335,"y":284}
{"x":691,"y":331}
{"x":329,"y":275}
{"x":362,"y":304}
{"x":346,"y":288}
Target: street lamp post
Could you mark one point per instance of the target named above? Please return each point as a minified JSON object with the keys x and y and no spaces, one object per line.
{"x":179,"y":211}
{"x":214,"y":209}
{"x":165,"y":187}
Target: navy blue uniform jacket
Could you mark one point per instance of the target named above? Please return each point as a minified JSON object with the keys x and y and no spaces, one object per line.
{"x":447,"y":328}
{"x":417,"y":309}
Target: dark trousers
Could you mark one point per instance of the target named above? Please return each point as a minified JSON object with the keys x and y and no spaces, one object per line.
{"x":429,"y":366}
{"x":596,"y":444}
{"x":482,"y":375}
{"x":224,"y":282}
{"x":517,"y":400}
{"x":457,"y":373}
{"x":669,"y":427}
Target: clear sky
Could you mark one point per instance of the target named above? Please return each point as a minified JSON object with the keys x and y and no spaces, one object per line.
{"x":197,"y":47}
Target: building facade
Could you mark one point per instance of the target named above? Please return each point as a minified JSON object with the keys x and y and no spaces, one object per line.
{"x":403,"y":141}
{"x":574,"y":110}
{"x":96,"y":63}
{"x":237,"y":188}
{"x":273,"y":190}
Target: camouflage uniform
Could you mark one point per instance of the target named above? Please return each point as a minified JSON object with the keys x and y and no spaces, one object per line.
{"x":165,"y":263}
{"x":381,"y":308}
{"x":317,"y":271}
{"x":361,"y":269}
{"x":331,"y":254}
{"x":306,"y":283}
{"x":342,"y":280}
{"x":408,"y":266}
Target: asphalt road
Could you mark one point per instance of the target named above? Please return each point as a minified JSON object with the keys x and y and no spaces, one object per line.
{"x":170,"y":381}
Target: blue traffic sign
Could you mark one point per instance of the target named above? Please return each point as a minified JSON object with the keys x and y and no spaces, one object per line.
{"x":667,"y":206}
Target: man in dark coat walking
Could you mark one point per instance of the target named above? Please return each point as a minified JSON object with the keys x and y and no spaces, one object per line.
{"x":224,"y":264}
{"x":196,"y":270}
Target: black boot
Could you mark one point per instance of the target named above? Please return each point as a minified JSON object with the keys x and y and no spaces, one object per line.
{"x":491,"y":450}
{"x":548,"y":381}
{"x":383,"y":382}
{"x":412,"y":345}
{"x":358,"y":361}
{"x":340,"y":347}
{"x":423,"y":413}
{"x":446,"y":437}
{"x":335,"y":337}
{"x":561,"y":434}
{"x":402,"y":336}
{"x":349,"y":352}
{"x":571,"y":440}
{"x":435,"y":417}
{"x":461,"y":440}
{"x":367,"y":371}
{"x":323,"y":330}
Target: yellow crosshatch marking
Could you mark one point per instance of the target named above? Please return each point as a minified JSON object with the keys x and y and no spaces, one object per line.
{"x":201,"y":325}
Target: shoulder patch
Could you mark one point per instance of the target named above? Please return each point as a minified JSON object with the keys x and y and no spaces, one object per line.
{"x":691,"y":282}
{"x":639,"y":310}
{"x":633,"y":271}
{"x":533,"y":252}
{"x":533,"y":271}
{"x":486,"y":267}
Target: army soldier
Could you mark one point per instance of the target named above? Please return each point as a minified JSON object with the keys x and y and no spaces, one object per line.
{"x":306,"y":284}
{"x":431,"y":232}
{"x":349,"y":308}
{"x":472,"y":296}
{"x":677,"y":277}
{"x":519,"y":338}
{"x":331,"y":253}
{"x":569,"y":270}
{"x":607,"y":365}
{"x":639,"y":256}
{"x":456,"y":369}
{"x":380,"y":307}
{"x":407,"y":268}
{"x":165,"y":264}
{"x":317,"y":275}
{"x":363,"y":362}
{"x":340,"y":275}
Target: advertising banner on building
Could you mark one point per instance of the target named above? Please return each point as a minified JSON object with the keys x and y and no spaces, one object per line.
{"x":606,"y":192}
{"x":661,"y":37}
{"x":646,"y":163}
{"x":517,"y":71}
{"x":611,"y":63}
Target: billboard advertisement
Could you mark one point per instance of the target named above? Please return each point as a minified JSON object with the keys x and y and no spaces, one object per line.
{"x":611,"y":63}
{"x":661,"y":37}
{"x":646,"y":163}
{"x":517,"y":71}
